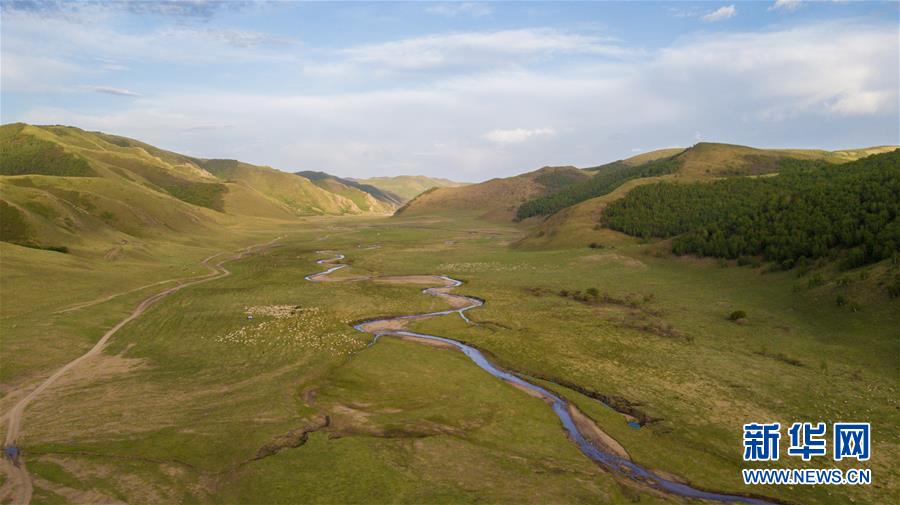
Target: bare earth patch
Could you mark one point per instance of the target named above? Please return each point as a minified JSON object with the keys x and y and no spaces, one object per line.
{"x":429,"y":342}
{"x":430,"y":280}
{"x":589,"y":429}
{"x":382,"y":326}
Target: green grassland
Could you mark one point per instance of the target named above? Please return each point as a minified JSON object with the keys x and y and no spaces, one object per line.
{"x":180,"y":393}
{"x":195,"y":403}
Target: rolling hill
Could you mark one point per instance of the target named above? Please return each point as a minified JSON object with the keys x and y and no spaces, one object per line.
{"x":577,"y":225}
{"x":805,"y":213}
{"x":408,"y":187}
{"x":496,"y":199}
{"x":704,"y":160}
{"x":61,"y":187}
{"x":714,"y":159}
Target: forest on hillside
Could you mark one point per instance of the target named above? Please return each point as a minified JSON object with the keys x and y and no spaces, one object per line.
{"x":806,"y":212}
{"x":607,"y":179}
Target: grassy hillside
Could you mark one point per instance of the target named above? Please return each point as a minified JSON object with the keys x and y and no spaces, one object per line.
{"x":292,"y":194}
{"x":62,"y":186}
{"x":604,"y":180}
{"x":642,"y":158}
{"x":711,"y":159}
{"x":577,"y":224}
{"x":408,"y":187}
{"x":366,"y":196}
{"x":701,"y":161}
{"x":496,"y":199}
{"x":21,"y":153}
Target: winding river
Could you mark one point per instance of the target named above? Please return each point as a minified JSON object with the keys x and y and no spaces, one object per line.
{"x":609,"y":460}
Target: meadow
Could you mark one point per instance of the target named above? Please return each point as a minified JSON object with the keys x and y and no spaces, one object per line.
{"x":195,"y":402}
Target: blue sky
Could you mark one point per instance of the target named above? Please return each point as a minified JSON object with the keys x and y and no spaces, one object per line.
{"x":467,"y":91}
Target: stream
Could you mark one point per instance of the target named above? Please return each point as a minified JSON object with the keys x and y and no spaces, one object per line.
{"x":612,"y":462}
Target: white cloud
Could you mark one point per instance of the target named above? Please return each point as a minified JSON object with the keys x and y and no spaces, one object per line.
{"x":721,"y":14}
{"x":198,"y":9}
{"x":516,"y":135}
{"x":472,"y":9}
{"x":781,"y":74}
{"x":108,"y":90}
{"x":683,"y":12}
{"x":34,"y":72}
{"x":72,"y":38}
{"x":861,"y":103}
{"x":479,"y":48}
{"x":470,"y":114}
{"x":786,"y":5}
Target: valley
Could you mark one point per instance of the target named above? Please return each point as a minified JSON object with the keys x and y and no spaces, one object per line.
{"x":126,"y":379}
{"x":449,"y":252}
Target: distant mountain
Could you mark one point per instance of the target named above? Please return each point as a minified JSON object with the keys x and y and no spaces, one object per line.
{"x":63,"y":186}
{"x":408,"y":187}
{"x":497,"y":198}
{"x":364,"y":195}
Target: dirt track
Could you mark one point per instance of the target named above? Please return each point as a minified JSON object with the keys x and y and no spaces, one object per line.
{"x":18,"y":487}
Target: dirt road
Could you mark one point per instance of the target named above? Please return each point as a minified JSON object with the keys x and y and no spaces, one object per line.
{"x":18,"y":487}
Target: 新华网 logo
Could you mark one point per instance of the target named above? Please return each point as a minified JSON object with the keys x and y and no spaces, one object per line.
{"x":762,"y":442}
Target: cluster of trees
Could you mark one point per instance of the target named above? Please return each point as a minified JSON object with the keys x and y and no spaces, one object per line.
{"x":558,"y":179}
{"x":806,"y":212}
{"x":606,"y":180}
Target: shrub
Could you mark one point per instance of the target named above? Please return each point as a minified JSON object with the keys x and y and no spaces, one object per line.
{"x":737,"y":315}
{"x":593,"y":292}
